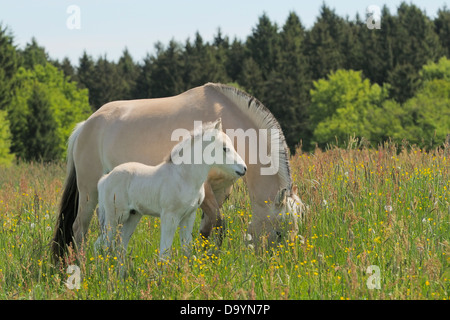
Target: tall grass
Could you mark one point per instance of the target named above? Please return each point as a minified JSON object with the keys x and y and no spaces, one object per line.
{"x":388,"y":207}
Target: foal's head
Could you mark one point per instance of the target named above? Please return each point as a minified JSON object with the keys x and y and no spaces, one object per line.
{"x":208,"y":144}
{"x":219,"y":151}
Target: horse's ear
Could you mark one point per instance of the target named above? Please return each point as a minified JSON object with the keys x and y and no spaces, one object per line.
{"x":280,"y":198}
{"x":218,"y":124}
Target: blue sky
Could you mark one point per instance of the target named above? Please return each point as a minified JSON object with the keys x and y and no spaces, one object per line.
{"x":108,"y":26}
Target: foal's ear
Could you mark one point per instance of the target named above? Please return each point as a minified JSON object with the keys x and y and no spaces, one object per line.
{"x":280,"y":198}
{"x":218,"y":124}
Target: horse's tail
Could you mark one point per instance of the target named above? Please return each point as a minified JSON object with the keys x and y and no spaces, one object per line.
{"x":68,"y":207}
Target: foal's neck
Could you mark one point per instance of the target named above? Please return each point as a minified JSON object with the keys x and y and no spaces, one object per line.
{"x":195,"y":173}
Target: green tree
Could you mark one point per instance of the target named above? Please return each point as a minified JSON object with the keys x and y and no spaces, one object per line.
{"x":219,"y":49}
{"x":324,"y":43}
{"x":8,"y":66}
{"x":128,"y":72}
{"x":352,"y":44}
{"x":442,"y":27}
{"x":66,"y":66}
{"x":41,"y":140}
{"x":107,"y":83}
{"x":166,"y":78}
{"x":386,"y":121}
{"x":263,"y":45}
{"x":33,"y":54}
{"x":68,"y":105}
{"x":204,"y":62}
{"x":289,"y":83}
{"x":235,"y":56}
{"x":142,"y":88}
{"x":427,"y":120}
{"x":251,"y":78}
{"x":5,"y":140}
{"x":84,"y":75}
{"x":436,"y":71}
{"x":343,"y":105}
{"x":377,"y":57}
{"x":414,"y":44}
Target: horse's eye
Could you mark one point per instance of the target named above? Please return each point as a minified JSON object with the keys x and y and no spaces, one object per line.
{"x":226,"y":149}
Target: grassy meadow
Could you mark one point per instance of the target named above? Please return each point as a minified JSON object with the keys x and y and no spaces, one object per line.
{"x":387,"y":207}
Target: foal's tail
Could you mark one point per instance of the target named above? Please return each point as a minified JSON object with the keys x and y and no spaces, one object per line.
{"x":68,"y":207}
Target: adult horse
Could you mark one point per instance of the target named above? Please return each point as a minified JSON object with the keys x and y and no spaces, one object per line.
{"x":142,"y":131}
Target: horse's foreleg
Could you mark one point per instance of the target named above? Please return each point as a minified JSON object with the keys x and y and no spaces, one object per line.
{"x":212,"y":217}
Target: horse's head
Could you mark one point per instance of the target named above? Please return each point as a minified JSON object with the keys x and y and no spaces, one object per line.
{"x":221,"y":153}
{"x":288,"y":209}
{"x":288,"y":202}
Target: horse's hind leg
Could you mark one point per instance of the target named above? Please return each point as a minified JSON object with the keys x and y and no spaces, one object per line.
{"x":212,"y":217}
{"x":87,"y":202}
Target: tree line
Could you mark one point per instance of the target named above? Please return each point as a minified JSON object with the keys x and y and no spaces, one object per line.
{"x":334,"y":80}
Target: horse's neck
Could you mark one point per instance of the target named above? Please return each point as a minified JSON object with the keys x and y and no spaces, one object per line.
{"x":262,"y":183}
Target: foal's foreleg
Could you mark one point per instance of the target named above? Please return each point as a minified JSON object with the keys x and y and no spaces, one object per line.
{"x":186,"y":226}
{"x":169,"y":225}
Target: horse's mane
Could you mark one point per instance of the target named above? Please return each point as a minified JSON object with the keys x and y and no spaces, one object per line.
{"x":194,"y":134}
{"x":263,"y":119}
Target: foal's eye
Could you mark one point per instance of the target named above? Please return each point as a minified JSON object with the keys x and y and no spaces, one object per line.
{"x":226,"y":149}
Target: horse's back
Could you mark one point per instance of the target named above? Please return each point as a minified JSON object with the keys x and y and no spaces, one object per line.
{"x":140,"y":130}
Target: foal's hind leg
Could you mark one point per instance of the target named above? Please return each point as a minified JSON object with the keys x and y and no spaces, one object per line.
{"x":128,"y":228}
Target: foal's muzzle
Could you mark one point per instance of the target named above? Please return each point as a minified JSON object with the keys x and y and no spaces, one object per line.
{"x":241,"y":173}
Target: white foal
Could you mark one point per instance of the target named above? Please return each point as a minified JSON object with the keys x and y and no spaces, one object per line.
{"x":172,"y":190}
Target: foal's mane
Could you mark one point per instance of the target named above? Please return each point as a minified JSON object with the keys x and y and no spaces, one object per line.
{"x":194,"y":134}
{"x":263,"y":119}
